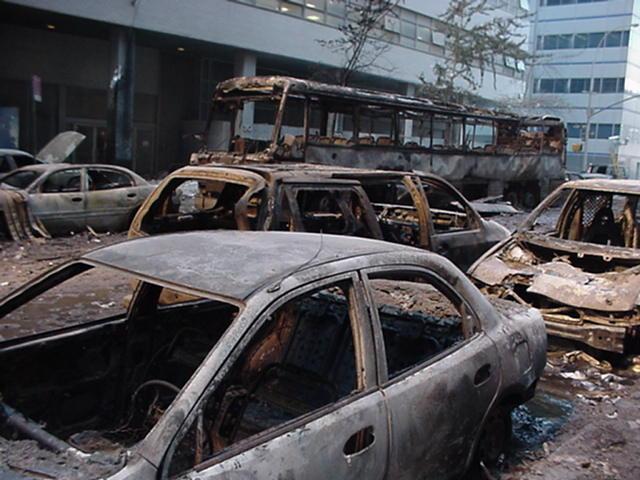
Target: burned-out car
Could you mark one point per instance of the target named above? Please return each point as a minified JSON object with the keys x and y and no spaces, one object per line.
{"x":289,"y":355}
{"x":67,"y":197}
{"x":409,"y":208}
{"x":576,"y":258}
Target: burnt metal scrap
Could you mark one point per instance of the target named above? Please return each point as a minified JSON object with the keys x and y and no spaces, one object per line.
{"x":408,"y":208}
{"x":576,"y":259}
{"x":483,"y":152}
{"x":18,"y":221}
{"x":306,"y":357}
{"x":59,"y":198}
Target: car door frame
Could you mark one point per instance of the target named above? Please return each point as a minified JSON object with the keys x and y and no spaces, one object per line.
{"x":366,"y":367}
{"x":117,"y":212}
{"x":477,"y":336}
{"x":287,"y":188}
{"x":60,"y":223}
{"x":455,"y":245}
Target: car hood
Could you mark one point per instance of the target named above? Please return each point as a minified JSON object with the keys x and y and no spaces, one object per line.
{"x":60,"y":147}
{"x":559,"y":280}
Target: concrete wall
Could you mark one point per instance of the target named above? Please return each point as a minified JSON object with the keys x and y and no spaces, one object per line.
{"x":250,"y":28}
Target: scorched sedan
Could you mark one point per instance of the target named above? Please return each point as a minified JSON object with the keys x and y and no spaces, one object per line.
{"x":271,"y":355}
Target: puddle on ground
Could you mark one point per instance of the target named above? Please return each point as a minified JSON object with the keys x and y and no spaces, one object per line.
{"x":537,"y":422}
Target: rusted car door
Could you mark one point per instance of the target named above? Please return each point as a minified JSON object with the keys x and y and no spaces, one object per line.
{"x":111,"y":197}
{"x":439,"y":384}
{"x":58,"y":200}
{"x":457,"y":231}
{"x":319,"y":338}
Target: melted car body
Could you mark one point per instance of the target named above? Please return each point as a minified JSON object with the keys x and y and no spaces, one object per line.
{"x":62,"y":198}
{"x":288,"y":354}
{"x":402,"y":207}
{"x":576,"y":259}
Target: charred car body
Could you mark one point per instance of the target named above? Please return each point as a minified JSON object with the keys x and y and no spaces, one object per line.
{"x":289,"y":354}
{"x":482,"y":152}
{"x":60,"y":198}
{"x":576,"y":259}
{"x":402,"y":207}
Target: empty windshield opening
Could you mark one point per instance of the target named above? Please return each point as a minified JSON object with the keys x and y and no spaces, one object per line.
{"x":20,"y":179}
{"x":595,"y":217}
{"x":109,"y":380}
{"x":195,"y":204}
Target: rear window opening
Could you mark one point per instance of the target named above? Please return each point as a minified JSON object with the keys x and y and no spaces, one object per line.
{"x":21,"y":179}
{"x":109,"y":383}
{"x":190,"y":204}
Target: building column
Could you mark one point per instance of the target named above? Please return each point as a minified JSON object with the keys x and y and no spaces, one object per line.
{"x":408,"y":124}
{"x":244,"y":65}
{"x":121,"y":97}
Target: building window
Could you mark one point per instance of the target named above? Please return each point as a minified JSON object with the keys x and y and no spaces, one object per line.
{"x":583,"y":40}
{"x":578,"y":85}
{"x":555,"y":3}
{"x":601,"y":131}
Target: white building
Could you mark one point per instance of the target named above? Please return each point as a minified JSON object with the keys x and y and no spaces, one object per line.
{"x":181,"y":50}
{"x":590,"y":62}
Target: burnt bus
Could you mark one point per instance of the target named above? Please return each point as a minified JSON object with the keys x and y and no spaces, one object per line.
{"x":483,"y":152}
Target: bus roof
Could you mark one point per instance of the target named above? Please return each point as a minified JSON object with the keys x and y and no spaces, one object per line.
{"x":251,"y":87}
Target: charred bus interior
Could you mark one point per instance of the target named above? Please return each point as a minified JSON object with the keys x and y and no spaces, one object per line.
{"x":296,"y":120}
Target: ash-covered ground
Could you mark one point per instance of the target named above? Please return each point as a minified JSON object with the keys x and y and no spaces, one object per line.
{"x":584,"y":422}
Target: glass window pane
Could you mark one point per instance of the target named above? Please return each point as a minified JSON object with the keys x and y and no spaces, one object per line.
{"x":609,"y":85}
{"x":592,"y":130}
{"x":595,"y":40}
{"x":596,"y":84}
{"x":578,"y":85}
{"x":616,"y":129}
{"x":613,"y":39}
{"x":580,"y":40}
{"x":560,"y":85}
{"x":334,"y":21}
{"x":550,"y":42}
{"x":272,"y":4}
{"x":317,"y":4}
{"x":313,"y":15}
{"x":565,"y":41}
{"x":546,"y":85}
{"x":408,"y":29}
{"x":291,"y":9}
{"x":605,"y":130}
{"x":625,"y":38}
{"x":423,"y":34}
{"x":336,"y":7}
{"x":574,"y":130}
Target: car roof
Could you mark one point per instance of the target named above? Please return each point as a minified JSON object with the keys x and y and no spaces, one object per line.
{"x":11,"y":151}
{"x":231,"y":264}
{"x":309,"y":170}
{"x":605,"y":185}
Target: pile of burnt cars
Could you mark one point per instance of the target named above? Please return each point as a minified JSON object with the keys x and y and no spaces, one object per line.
{"x":278,"y":355}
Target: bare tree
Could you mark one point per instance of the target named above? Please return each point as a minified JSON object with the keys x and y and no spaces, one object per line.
{"x":477,"y":37}
{"x":361,"y":41}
